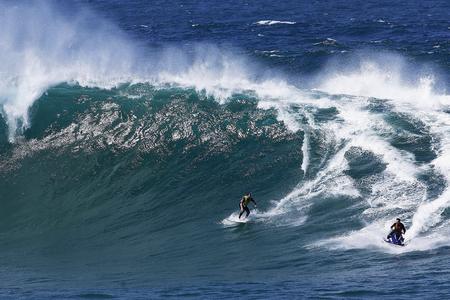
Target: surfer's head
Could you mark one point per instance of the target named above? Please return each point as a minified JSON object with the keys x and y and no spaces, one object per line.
{"x":398,"y":219}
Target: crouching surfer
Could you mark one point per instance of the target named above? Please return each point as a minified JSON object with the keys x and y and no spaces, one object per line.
{"x":397,"y":231}
{"x":245,"y":201}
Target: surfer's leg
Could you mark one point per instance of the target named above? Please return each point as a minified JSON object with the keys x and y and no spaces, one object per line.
{"x":241,"y":210}
{"x":247,"y":210}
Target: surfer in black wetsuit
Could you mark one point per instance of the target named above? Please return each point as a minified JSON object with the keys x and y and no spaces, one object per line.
{"x":398,"y":229}
{"x":244,"y":204}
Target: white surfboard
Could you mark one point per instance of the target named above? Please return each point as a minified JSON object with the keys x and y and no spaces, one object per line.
{"x":233,"y":220}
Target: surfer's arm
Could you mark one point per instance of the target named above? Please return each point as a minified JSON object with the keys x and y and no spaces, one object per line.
{"x":254,"y":202}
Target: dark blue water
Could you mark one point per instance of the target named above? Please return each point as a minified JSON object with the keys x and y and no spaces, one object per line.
{"x":130,"y":130}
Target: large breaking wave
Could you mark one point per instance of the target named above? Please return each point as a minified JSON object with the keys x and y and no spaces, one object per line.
{"x":105,"y":141}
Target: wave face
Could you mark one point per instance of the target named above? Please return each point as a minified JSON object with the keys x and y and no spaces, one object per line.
{"x":123,"y":155}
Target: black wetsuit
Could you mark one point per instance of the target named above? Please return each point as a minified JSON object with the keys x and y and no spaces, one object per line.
{"x":244,"y":202}
{"x":398,"y":229}
{"x":246,"y":210}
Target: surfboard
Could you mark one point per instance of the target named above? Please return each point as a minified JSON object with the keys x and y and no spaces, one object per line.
{"x":237,"y":221}
{"x":233,"y":220}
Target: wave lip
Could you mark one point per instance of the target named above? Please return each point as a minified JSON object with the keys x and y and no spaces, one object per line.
{"x":64,"y":50}
{"x":274,"y":22}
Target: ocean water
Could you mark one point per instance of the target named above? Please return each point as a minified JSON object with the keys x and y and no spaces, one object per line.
{"x":129,"y":130}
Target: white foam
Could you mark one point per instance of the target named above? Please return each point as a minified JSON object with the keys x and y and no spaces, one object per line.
{"x":429,"y":213}
{"x":234,"y":220}
{"x":329,"y":181}
{"x":399,"y":192}
{"x":255,"y":217}
{"x":373,"y":79}
{"x":305,"y":152}
{"x":371,"y":237}
{"x":32,"y":58}
{"x":356,"y":127}
{"x":273,"y":22}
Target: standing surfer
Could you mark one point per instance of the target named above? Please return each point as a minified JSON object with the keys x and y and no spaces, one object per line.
{"x":246,"y":199}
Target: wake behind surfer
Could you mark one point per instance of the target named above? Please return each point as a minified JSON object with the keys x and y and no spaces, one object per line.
{"x":246,"y":199}
{"x":398,"y":229}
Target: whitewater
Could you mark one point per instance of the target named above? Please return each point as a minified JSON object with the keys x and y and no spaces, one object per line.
{"x":127,"y":140}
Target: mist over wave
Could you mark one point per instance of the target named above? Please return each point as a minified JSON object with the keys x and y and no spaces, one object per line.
{"x":81,"y":48}
{"x":41,"y":47}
